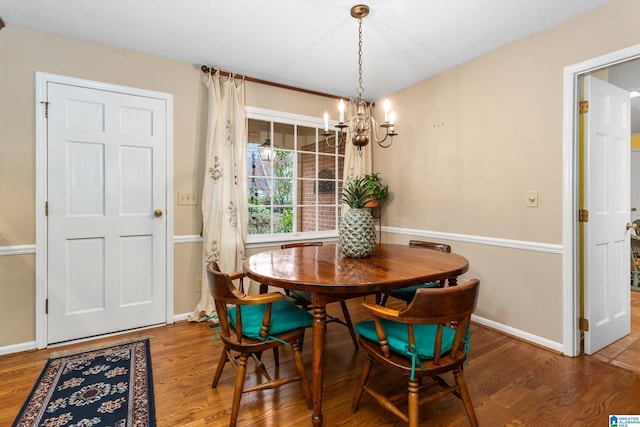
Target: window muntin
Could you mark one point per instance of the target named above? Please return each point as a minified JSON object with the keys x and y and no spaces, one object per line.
{"x":294,"y":177}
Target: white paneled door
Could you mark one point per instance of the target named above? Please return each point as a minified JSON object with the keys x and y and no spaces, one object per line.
{"x":607,"y":289}
{"x":106,"y":211}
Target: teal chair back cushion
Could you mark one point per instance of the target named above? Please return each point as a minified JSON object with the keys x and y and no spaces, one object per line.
{"x":408,"y":292}
{"x":398,"y":337}
{"x":285,"y":317}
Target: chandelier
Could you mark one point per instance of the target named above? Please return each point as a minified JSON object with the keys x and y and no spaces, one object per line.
{"x":362,"y":124}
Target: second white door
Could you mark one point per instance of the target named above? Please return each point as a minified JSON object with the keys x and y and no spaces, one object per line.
{"x":607,"y":289}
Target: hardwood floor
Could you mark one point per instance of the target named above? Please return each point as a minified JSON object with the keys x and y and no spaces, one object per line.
{"x":512,"y":383}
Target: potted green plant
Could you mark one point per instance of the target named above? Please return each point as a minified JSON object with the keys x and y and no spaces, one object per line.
{"x":356,"y":229}
{"x":375,"y":189}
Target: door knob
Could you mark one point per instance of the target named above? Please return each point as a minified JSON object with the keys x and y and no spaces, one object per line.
{"x":158,"y":212}
{"x":634,"y":226}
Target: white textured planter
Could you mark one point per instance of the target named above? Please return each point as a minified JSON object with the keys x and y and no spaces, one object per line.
{"x":357,"y":233}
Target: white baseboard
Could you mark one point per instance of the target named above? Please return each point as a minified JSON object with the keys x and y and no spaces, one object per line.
{"x":525,"y":336}
{"x":17,"y":348}
{"x":181,"y":317}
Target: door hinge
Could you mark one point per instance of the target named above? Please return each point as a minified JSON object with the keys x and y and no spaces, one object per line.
{"x":46,"y":306}
{"x":583,"y":324}
{"x":583,"y":215}
{"x":46,"y":108}
{"x":46,"y":208}
{"x":584,"y":107}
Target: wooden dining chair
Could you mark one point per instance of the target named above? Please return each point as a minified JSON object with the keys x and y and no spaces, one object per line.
{"x":303,"y":298}
{"x":251,"y":324}
{"x":406,"y":294}
{"x":426,"y":339}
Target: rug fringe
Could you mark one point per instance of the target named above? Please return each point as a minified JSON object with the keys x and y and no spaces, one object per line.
{"x":95,"y":347}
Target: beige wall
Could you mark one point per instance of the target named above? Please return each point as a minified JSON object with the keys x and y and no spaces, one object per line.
{"x":472,"y":141}
{"x":475,"y":138}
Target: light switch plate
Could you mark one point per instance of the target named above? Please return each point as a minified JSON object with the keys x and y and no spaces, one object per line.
{"x":532,"y":199}
{"x":187,"y":198}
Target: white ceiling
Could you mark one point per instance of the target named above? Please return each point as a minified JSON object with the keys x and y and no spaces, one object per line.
{"x":304,"y":43}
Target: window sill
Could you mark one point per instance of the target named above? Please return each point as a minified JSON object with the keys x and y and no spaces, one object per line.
{"x":260,"y":241}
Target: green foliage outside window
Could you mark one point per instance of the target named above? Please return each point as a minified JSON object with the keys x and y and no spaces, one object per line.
{"x":276,"y":192}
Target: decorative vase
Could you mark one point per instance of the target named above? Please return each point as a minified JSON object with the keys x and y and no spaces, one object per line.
{"x":357,"y":233}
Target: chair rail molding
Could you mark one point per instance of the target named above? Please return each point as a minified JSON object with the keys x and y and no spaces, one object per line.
{"x":481,"y":240}
{"x":17,"y":250}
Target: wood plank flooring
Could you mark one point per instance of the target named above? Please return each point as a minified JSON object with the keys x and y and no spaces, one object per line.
{"x":512,"y":383}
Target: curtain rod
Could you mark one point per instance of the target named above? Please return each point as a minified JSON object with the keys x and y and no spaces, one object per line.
{"x":206,"y":69}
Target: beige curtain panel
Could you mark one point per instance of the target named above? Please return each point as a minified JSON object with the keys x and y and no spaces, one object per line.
{"x":224,"y":192}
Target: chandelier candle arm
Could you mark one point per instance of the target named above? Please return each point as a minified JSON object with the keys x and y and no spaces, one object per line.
{"x":361,"y":125}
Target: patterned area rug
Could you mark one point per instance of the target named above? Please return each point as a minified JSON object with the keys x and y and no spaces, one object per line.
{"x":111,"y":386}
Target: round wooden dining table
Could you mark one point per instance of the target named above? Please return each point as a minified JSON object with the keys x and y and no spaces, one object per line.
{"x":331,"y":276}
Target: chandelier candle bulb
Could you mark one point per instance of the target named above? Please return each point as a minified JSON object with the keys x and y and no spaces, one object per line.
{"x":387,"y":107}
{"x":341,"y":109}
{"x":392,"y":117}
{"x":326,"y":121}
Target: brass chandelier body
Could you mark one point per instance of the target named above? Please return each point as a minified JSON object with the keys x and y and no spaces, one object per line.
{"x":361,"y":124}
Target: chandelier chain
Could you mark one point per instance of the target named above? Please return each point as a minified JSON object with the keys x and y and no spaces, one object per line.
{"x":360,"y":87}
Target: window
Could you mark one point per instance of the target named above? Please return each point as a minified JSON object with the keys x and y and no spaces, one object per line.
{"x":294,"y":177}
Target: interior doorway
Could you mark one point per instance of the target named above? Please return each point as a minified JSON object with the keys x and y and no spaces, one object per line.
{"x":626,"y":75}
{"x":624,"y":60}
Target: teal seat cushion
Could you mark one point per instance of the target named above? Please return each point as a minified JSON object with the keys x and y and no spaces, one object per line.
{"x":285,"y":317}
{"x":408,"y":292}
{"x":398,"y":337}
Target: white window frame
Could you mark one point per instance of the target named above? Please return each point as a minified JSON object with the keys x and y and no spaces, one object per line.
{"x":267,"y":115}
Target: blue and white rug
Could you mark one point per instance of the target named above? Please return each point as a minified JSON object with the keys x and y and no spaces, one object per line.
{"x":106,"y":387}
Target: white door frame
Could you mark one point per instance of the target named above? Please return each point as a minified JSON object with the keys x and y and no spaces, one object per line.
{"x":634,"y":215}
{"x":570,"y":183}
{"x":41,"y":81}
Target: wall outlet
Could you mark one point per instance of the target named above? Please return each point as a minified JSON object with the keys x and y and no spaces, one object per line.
{"x":187,"y":199}
{"x":532,"y":199}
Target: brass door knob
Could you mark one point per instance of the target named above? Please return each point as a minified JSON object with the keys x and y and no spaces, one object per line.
{"x":157,"y":212}
{"x":634,"y":226}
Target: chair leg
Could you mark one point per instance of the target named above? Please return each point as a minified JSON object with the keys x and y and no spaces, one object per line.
{"x":465,"y":396}
{"x":414,"y":403}
{"x":347,"y":320}
{"x":237,"y":391}
{"x":304,"y":381}
{"x":221,"y":362}
{"x":366,"y":370}
{"x":276,"y":356}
